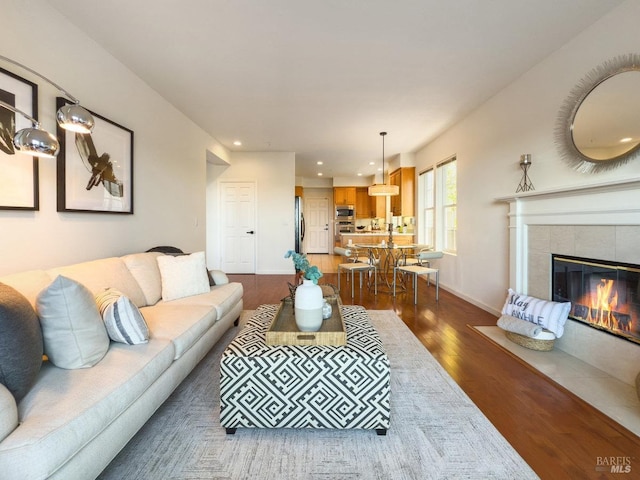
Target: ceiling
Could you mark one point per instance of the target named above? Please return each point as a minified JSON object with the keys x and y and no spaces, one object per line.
{"x":322,"y":78}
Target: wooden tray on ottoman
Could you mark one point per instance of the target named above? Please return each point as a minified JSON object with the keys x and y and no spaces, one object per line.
{"x":283,"y":329}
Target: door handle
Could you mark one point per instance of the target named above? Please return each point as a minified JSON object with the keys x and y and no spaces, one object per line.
{"x":251,"y":232}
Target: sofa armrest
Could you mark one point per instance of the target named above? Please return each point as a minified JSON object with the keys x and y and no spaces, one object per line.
{"x":219,"y":277}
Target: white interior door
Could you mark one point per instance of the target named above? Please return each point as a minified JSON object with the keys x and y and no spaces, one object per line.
{"x":316,"y":214}
{"x":238,"y":219}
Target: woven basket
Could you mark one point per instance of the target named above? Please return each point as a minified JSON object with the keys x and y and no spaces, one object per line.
{"x":531,"y":343}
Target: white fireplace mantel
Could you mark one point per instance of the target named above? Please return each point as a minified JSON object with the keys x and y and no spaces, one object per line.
{"x":610,"y":203}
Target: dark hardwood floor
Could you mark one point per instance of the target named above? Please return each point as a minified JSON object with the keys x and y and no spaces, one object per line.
{"x":557,"y":434}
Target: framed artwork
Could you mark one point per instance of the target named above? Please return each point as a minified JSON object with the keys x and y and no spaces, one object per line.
{"x":18,"y":172}
{"x":95,"y":170}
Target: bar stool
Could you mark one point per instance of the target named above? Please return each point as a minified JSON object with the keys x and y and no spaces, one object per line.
{"x":353,"y":267}
{"x":416,"y":271}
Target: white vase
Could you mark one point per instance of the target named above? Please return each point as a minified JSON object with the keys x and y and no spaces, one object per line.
{"x":308,"y":306}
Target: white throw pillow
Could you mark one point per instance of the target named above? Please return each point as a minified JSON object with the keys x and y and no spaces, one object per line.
{"x":72,"y":328}
{"x":183,"y":276}
{"x":550,"y":315}
{"x":122,"y":318}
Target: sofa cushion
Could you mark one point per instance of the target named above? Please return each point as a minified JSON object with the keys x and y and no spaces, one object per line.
{"x":144,"y":268}
{"x":67,"y":409}
{"x":72,"y":328}
{"x":8,"y":413}
{"x":20,"y":342}
{"x":183,"y":276}
{"x":122,"y":318}
{"x":183,"y":324}
{"x":221,"y":297}
{"x":97,"y":275}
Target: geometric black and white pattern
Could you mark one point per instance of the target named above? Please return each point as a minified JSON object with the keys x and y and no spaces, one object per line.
{"x":305,"y":386}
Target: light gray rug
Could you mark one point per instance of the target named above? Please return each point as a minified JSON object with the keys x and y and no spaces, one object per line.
{"x":436,"y":431}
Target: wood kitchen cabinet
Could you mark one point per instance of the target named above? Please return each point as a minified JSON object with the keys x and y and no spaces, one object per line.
{"x":369,"y":207}
{"x":344,"y":196}
{"x":363,"y":203}
{"x":403,"y":204}
{"x":378,"y":206}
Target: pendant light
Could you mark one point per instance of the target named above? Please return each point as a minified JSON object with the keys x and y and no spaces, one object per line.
{"x":383,"y":189}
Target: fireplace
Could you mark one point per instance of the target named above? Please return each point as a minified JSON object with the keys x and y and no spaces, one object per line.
{"x":604,"y":295}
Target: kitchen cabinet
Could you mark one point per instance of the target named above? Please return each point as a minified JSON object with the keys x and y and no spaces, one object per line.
{"x":363,"y":203}
{"x":369,"y":207}
{"x":378,"y":207}
{"x":299,"y":191}
{"x":344,"y":196}
{"x":403,"y":204}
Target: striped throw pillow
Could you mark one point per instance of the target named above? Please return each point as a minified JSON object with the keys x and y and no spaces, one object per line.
{"x":122,"y":318}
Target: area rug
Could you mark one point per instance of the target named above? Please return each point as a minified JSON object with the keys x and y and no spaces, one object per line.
{"x":436,"y":431}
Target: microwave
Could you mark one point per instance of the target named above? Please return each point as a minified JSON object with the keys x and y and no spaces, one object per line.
{"x":344,"y":211}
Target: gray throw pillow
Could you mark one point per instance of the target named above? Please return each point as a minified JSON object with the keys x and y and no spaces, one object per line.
{"x":122,"y":318}
{"x":72,"y":328}
{"x":20,"y":342}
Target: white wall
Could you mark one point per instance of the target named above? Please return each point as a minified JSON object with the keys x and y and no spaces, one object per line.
{"x":169,"y":151}
{"x":274,"y":174}
{"x":488,"y":144}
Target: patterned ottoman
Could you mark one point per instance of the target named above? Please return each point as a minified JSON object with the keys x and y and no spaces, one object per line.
{"x":305,"y":386}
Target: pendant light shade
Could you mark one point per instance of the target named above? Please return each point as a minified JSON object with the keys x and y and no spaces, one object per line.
{"x":383,"y":189}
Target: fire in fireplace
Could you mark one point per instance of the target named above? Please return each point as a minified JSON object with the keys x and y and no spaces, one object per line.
{"x":603,"y":294}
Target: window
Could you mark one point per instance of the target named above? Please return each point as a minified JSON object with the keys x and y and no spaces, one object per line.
{"x":447,"y":204}
{"x":437,"y":204}
{"x":427,"y":207}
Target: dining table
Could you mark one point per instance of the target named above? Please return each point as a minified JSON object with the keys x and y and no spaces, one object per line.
{"x":386,"y":256}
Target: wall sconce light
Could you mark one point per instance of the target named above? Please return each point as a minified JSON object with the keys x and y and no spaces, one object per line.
{"x":38,"y":142}
{"x":525,"y":184}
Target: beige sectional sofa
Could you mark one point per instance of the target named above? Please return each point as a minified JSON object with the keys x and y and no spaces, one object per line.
{"x":73,"y":422}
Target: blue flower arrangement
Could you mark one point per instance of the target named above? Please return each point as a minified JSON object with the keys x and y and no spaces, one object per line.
{"x":300,"y":261}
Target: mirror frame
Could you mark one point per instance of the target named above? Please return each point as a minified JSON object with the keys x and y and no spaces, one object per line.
{"x":564,"y":124}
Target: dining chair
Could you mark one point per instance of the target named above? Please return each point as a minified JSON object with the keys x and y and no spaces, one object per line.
{"x":416,"y":271}
{"x":358,"y":266}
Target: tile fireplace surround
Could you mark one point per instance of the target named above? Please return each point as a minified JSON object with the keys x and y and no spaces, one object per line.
{"x":599,"y":221}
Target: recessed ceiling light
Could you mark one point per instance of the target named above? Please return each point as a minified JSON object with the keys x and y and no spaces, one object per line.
{"x":319,"y":174}
{"x":359,"y":174}
{"x":380,"y":169}
{"x":372,"y":163}
{"x":237,"y":143}
{"x":625,"y":140}
{"x":319,"y":163}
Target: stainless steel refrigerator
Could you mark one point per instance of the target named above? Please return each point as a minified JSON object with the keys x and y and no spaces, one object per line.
{"x":299,"y":225}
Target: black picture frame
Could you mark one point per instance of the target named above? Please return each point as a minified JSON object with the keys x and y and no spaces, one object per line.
{"x":19,"y":177}
{"x":95,"y":170}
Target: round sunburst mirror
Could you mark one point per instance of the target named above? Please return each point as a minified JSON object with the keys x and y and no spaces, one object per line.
{"x":598,"y":127}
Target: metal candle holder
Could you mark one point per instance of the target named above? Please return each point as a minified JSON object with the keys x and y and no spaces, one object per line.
{"x":525,"y":184}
